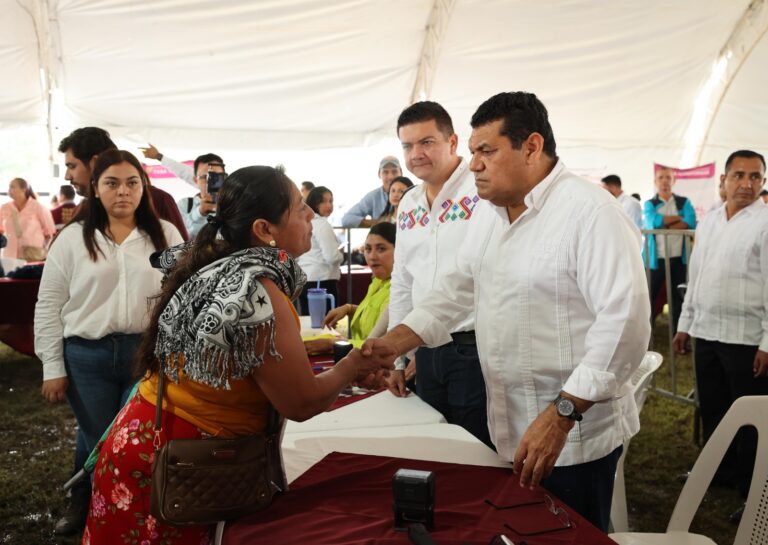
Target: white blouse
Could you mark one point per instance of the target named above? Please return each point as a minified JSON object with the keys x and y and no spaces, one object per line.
{"x":82,"y":298}
{"x":323,"y":260}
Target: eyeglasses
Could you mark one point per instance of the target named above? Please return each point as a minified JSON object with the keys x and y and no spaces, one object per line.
{"x":560,"y":514}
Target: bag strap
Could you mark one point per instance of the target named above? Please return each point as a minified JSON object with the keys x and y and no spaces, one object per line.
{"x":190,"y":202}
{"x":158,"y":427}
{"x":274,"y":418}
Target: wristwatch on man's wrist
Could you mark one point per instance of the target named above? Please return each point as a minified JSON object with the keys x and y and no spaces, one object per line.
{"x":566,"y":408}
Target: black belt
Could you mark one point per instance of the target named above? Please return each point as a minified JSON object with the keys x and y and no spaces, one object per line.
{"x":464,"y":337}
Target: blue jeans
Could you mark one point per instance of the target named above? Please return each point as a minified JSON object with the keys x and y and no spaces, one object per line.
{"x":449,"y":378}
{"x":100,"y":379}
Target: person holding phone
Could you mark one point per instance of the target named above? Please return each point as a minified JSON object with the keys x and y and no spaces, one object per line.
{"x":195,"y":210}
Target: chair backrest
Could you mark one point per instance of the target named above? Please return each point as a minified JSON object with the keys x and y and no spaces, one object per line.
{"x":643,"y":375}
{"x":753,"y":529}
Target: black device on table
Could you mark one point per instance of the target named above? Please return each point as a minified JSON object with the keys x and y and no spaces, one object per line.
{"x":414,"y":498}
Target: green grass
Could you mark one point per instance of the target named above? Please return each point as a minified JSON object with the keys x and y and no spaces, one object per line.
{"x":664,"y":449}
{"x":38,"y":449}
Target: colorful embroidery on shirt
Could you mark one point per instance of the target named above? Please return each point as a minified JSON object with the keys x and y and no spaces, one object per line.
{"x":411,"y":218}
{"x":461,"y":210}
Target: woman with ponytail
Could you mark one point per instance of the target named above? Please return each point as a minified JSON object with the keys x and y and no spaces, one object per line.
{"x":227,"y":339}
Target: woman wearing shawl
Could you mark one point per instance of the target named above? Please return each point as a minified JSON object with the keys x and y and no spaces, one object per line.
{"x":226,"y":336}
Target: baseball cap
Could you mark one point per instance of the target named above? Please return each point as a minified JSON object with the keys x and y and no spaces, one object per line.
{"x":387,"y":161}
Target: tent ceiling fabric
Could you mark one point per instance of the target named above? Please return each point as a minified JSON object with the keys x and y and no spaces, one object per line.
{"x":618,"y":75}
{"x":21,"y":98}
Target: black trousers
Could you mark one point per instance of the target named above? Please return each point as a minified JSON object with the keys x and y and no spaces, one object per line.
{"x":724,"y":374}
{"x":677,"y":271}
{"x":331,"y":286}
{"x":587,"y":488}
{"x":449,"y":378}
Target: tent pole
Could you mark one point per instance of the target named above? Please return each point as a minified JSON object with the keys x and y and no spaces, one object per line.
{"x":747,"y":33}
{"x":430,"y":51}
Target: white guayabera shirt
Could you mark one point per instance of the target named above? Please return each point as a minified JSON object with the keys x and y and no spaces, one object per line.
{"x":561,"y":303}
{"x":727,"y":296}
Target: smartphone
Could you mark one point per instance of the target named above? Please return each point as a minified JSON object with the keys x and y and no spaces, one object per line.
{"x":214,"y":183}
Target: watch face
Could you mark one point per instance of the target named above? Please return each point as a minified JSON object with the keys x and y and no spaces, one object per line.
{"x":565,"y":407}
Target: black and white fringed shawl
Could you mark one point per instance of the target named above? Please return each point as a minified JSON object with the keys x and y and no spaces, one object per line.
{"x":216,"y":316}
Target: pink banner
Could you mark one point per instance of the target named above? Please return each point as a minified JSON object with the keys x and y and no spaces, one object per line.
{"x":156,"y":172}
{"x":699,"y":184}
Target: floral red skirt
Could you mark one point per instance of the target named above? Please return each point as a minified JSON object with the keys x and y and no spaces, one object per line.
{"x":119,"y":511}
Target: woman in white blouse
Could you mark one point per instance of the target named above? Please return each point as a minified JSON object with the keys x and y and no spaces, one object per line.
{"x":94,"y":294}
{"x":321,"y":263}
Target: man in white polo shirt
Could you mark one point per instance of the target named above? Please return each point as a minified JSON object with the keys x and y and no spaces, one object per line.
{"x":726,"y":307}
{"x":432,"y":222}
{"x":612,"y":184}
{"x":552,"y":266}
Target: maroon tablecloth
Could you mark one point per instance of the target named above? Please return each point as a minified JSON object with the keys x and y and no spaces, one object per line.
{"x":346,"y":499}
{"x":17,"y":313}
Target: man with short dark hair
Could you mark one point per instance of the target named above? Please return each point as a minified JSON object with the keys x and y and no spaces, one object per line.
{"x":667,"y":211}
{"x":434,"y":218}
{"x":195,"y":210}
{"x":366,"y":212}
{"x":66,"y":207}
{"x":551,"y":265}
{"x":82,"y":147}
{"x":726,"y":307}
{"x":612,"y":184}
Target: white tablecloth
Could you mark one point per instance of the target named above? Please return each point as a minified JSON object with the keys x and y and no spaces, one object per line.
{"x":380,"y":410}
{"x":438,"y":442}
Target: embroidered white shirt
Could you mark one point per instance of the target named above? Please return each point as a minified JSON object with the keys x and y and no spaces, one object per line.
{"x":561,"y":303}
{"x":82,"y":298}
{"x":323,"y":259}
{"x":428,"y":239}
{"x":727,"y":296}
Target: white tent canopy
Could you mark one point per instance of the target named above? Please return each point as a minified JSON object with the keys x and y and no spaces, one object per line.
{"x":623,"y":80}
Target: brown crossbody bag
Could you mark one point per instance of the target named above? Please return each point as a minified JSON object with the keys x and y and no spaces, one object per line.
{"x":204,"y":481}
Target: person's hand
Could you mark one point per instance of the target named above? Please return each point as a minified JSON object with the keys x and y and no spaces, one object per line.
{"x":319,"y":346}
{"x":381,"y":350}
{"x":151,"y":152}
{"x":760,"y":366}
{"x":370,"y":372}
{"x":53,"y":390}
{"x":207,"y":206}
{"x":540,"y":447}
{"x":396,"y":383}
{"x":410,"y":369}
{"x":680,"y":342}
{"x":334,"y":315}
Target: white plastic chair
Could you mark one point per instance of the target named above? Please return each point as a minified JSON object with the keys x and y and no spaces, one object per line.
{"x":753,"y":529}
{"x":640,"y":380}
